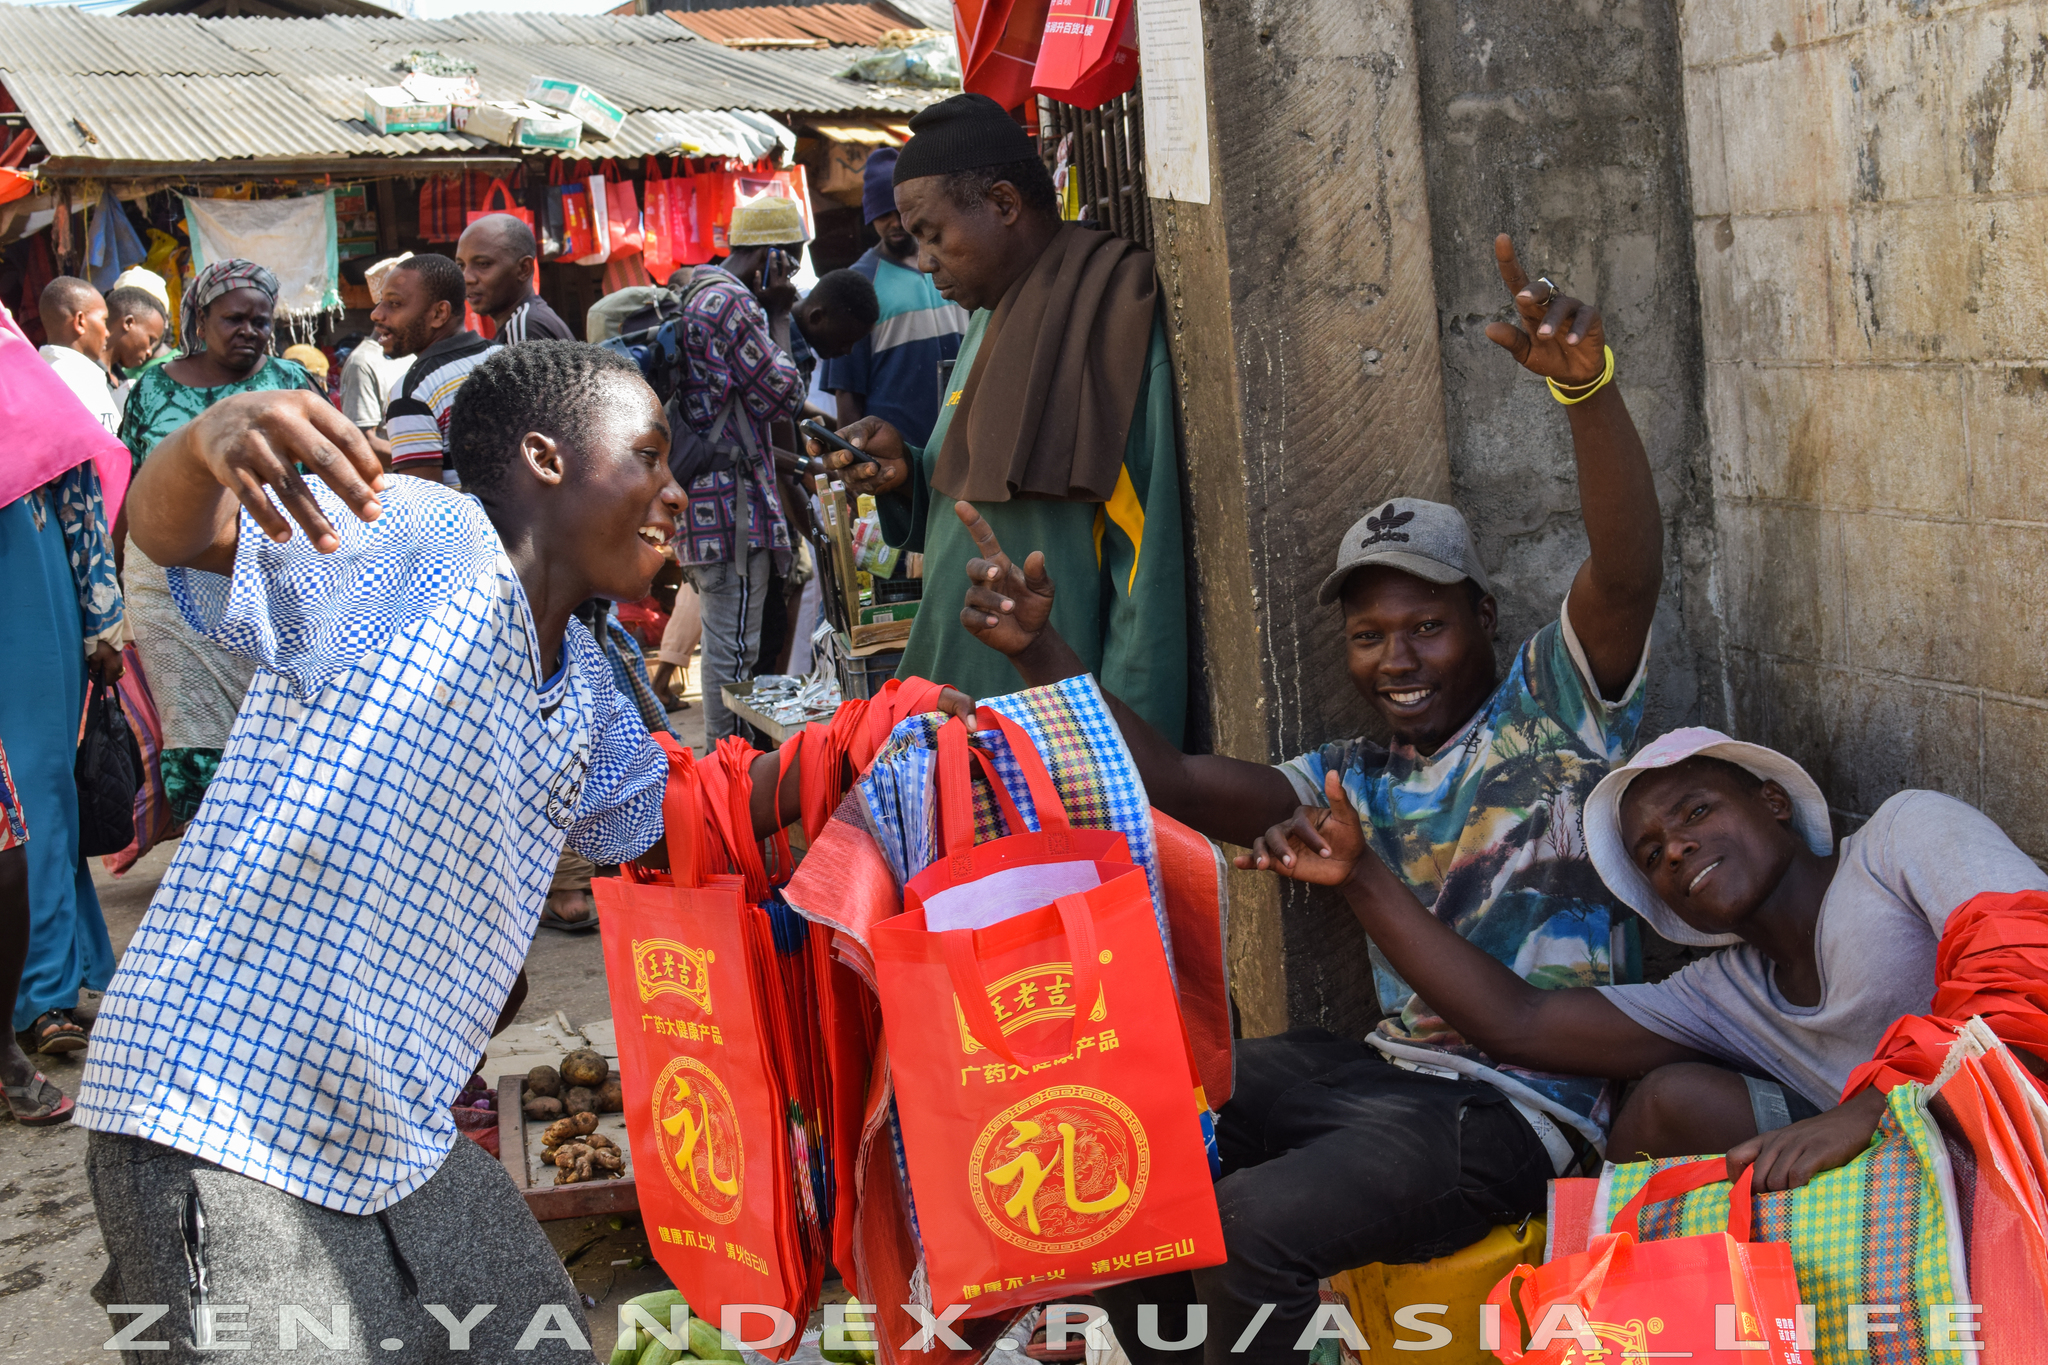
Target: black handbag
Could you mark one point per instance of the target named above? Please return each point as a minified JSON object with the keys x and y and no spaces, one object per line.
{"x":108,"y":773}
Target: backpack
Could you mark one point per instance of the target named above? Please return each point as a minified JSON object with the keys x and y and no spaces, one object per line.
{"x":693,"y":454}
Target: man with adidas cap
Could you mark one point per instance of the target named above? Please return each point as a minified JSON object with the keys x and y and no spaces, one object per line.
{"x":1338,"y":1153}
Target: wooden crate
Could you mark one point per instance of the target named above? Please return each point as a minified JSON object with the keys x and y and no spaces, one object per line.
{"x":550,"y":1202}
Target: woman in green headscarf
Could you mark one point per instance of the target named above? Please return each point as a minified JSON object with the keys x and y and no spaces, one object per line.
{"x":225,"y":323}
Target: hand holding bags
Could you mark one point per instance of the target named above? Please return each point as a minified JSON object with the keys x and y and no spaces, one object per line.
{"x":1051,"y":1125}
{"x":1715,"y":1296}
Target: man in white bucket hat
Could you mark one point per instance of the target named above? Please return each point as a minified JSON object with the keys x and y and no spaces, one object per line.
{"x":1718,"y":844}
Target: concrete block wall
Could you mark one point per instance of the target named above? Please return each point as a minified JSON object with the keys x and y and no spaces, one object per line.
{"x":1563,"y":125}
{"x":1869,"y":187}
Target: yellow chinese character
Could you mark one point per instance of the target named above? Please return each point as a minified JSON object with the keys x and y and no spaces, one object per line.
{"x":1028,"y":1173}
{"x":1098,"y":1267}
{"x":1108,"y":1039}
{"x":995,"y":1288}
{"x":1026,"y":993}
{"x":1056,"y":991}
{"x":1016,"y":1282}
{"x":970,"y":1291}
{"x":992,"y":1074}
{"x":695,"y":1130}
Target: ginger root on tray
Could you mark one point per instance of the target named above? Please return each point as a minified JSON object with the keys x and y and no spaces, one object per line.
{"x":576,"y":1162}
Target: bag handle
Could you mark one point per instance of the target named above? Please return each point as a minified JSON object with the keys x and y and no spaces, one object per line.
{"x":499,"y":191}
{"x":682,"y":813}
{"x":1673,"y":1181}
{"x":1077,"y":921}
{"x":956,"y":790}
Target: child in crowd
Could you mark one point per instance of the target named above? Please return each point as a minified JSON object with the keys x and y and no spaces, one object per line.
{"x":270,"y":1076}
{"x":344,"y":924}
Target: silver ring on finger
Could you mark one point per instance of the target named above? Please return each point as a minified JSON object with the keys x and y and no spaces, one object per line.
{"x":1544,"y":280}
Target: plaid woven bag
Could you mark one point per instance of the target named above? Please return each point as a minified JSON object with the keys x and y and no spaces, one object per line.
{"x":1883,"y":1229}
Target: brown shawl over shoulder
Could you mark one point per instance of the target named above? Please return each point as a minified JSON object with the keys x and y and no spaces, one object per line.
{"x":1047,"y":407}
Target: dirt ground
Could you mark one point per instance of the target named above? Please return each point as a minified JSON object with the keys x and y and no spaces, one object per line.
{"x":50,"y":1250}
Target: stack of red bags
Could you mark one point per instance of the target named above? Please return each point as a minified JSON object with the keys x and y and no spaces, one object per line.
{"x":743,"y":1044}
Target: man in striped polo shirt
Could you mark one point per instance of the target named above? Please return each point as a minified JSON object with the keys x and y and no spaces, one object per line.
{"x":496,"y":254}
{"x":420,"y":316}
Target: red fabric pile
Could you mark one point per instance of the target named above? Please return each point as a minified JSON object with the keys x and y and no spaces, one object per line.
{"x":1992,"y":962}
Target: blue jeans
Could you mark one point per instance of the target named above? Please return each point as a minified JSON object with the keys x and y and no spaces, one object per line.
{"x":732,"y":598}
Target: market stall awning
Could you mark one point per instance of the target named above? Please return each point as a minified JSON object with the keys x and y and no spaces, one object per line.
{"x":116,"y":95}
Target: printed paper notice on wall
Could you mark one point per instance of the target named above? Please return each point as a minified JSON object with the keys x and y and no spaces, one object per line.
{"x":1176,"y":90}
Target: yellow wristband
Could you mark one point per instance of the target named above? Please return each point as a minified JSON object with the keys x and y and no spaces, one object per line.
{"x":1569,"y":395}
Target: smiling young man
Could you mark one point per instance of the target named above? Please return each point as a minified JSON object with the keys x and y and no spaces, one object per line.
{"x":1337,"y":1153}
{"x":1058,"y":423}
{"x":333,"y":945}
{"x":1824,"y":947}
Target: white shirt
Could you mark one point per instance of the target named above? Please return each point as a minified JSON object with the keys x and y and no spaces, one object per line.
{"x":88,"y":381}
{"x":321,"y":966}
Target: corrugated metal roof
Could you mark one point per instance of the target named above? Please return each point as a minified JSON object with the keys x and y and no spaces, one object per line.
{"x":840,"y":25}
{"x":174,"y":88}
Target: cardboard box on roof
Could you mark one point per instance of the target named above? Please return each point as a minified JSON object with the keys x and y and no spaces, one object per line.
{"x":391,"y":109}
{"x":523,"y":125}
{"x":598,"y":114}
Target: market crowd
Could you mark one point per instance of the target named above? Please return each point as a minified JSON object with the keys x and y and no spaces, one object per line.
{"x":428,"y":550}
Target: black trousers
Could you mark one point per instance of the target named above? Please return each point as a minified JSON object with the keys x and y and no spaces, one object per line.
{"x":1334,"y":1158}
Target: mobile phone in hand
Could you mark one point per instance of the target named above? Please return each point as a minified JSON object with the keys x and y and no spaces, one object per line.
{"x":831,"y":440}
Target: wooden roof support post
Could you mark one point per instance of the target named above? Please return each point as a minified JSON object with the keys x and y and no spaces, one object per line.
{"x":1302,"y":318}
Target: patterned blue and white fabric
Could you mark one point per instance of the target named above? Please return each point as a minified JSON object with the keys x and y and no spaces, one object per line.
{"x":1083,"y":751}
{"x":321,"y":967}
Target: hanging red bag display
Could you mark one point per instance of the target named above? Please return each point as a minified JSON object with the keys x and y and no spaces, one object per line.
{"x":1051,"y":1121}
{"x":703,"y":1118}
{"x":1089,"y":54}
{"x":999,"y":42}
{"x":1718,"y":1297}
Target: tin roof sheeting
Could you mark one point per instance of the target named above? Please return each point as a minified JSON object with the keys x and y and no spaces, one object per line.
{"x":179,"y":89}
{"x":840,"y":25}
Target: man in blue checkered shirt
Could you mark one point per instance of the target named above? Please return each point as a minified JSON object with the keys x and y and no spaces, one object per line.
{"x":270,"y":1078}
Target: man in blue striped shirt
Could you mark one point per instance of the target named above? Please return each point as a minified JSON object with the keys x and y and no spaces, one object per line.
{"x":894,"y":372}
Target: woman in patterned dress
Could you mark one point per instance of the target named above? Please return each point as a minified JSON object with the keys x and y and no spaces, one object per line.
{"x":225,"y":320}
{"x":60,"y":618}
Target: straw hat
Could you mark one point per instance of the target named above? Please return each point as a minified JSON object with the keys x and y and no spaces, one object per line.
{"x":1617,"y":866}
{"x":768,"y":221}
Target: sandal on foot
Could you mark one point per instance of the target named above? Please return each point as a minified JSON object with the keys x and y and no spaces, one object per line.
{"x":550,"y":920}
{"x":38,"y":1103}
{"x":53,"y":1033}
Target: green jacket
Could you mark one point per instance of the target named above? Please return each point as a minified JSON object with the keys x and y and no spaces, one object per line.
{"x":1119,"y":568}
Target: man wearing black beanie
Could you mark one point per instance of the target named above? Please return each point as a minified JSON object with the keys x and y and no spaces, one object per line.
{"x":1057,"y":423}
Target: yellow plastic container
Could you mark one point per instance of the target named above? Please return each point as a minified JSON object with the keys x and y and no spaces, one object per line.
{"x":1456,"y":1285}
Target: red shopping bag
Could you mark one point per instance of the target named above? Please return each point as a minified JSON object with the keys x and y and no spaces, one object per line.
{"x":728,"y":190}
{"x":622,"y":213}
{"x":498,"y":199}
{"x":1089,"y":54}
{"x":702,"y":1116}
{"x":999,"y":42}
{"x":657,"y":225}
{"x":1719,"y":1297}
{"x":1050,"y":1124}
{"x":579,"y":224}
{"x":598,"y":196}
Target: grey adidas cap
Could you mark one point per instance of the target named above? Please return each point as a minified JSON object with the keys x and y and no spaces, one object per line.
{"x":1427,"y":539}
